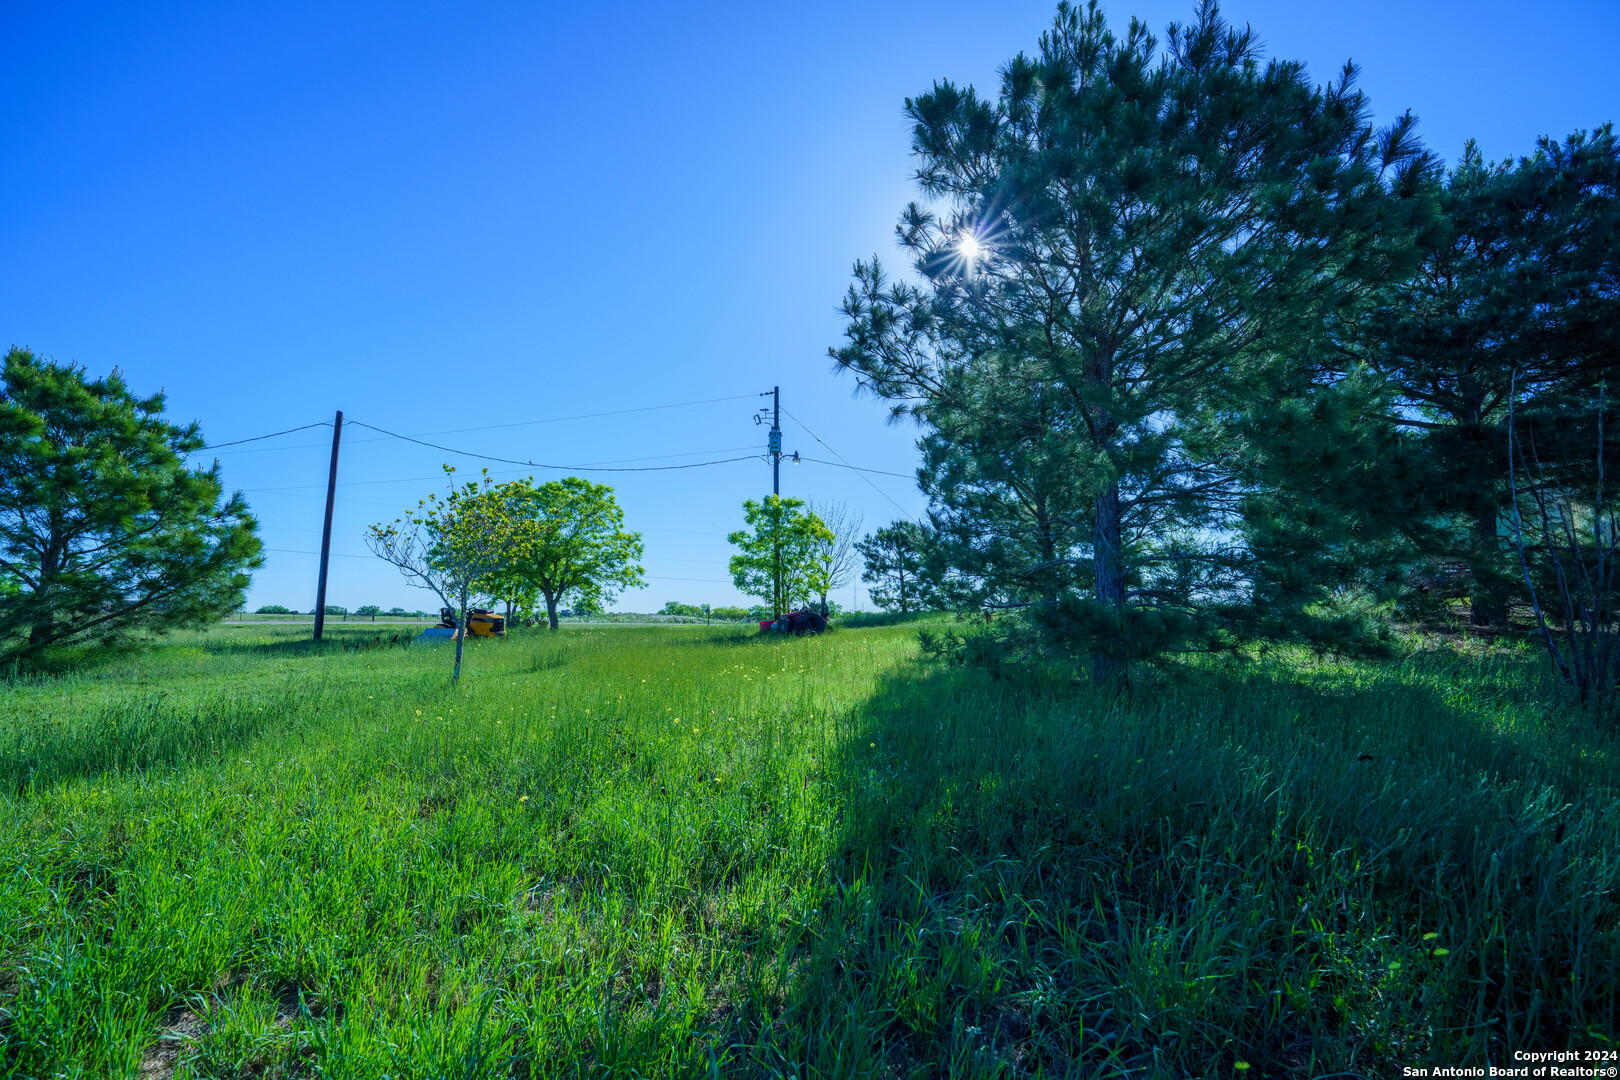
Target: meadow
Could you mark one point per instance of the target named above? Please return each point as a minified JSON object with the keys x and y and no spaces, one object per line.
{"x":691,"y":851}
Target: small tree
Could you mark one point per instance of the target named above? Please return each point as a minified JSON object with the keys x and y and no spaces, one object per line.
{"x":452,"y":546}
{"x":894,"y":565}
{"x":275,"y":609}
{"x":1568,"y":543}
{"x":105,"y":532}
{"x":836,"y":557}
{"x":776,"y":559}
{"x":571,"y":542}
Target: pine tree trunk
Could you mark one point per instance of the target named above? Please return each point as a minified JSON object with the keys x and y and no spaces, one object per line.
{"x":1108,"y":668}
{"x":1048,"y":549}
{"x":43,"y":630}
{"x":1486,"y":604}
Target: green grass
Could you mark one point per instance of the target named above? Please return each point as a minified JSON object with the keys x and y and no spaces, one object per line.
{"x":691,"y":851}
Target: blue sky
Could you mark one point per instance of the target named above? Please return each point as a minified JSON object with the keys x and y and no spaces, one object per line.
{"x":443,"y":217}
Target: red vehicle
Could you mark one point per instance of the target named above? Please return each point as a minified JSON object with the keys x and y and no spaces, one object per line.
{"x":797,"y":623}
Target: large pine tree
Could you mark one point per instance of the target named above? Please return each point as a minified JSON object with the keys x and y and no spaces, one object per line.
{"x":1521,"y":293}
{"x":1125,"y":254}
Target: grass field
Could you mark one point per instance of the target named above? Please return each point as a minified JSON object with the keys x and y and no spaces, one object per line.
{"x":685,"y":851}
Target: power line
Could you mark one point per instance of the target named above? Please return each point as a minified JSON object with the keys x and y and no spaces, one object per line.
{"x":539,"y":465}
{"x":858,"y":472}
{"x":590,"y":416}
{"x":716,"y":581}
{"x":304,"y":495}
{"x":480,"y":427}
{"x":276,"y":449}
{"x":856,"y":468}
{"x":414,"y":479}
{"x":337,"y":554}
{"x":261,"y":438}
{"x":664,"y":457}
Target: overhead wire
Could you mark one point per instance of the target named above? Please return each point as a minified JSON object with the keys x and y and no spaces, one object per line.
{"x":858,"y":471}
{"x":590,"y":416}
{"x":857,"y":468}
{"x":542,"y":465}
{"x":480,"y":427}
{"x":334,"y":554}
{"x":717,"y":581}
{"x":291,"y":488}
{"x":261,"y":438}
{"x":607,"y":466}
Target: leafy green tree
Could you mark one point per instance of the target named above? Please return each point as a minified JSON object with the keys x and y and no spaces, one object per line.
{"x":370,"y":611}
{"x":894,"y":558}
{"x":519,"y":597}
{"x":778,"y":552}
{"x":571,"y":543}
{"x":734,"y":613}
{"x":105,"y":532}
{"x":1125,"y":251}
{"x":452,"y":545}
{"x":275,"y":609}
{"x":1519,"y":293}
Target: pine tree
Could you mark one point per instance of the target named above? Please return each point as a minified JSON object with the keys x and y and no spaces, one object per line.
{"x":1127,"y":252}
{"x":1522,"y":290}
{"x":894,"y":563}
{"x":105,"y":532}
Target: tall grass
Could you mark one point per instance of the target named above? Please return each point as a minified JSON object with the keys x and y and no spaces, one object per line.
{"x":684,"y":851}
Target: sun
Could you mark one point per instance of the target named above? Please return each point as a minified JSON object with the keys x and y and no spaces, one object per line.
{"x":968,"y":245}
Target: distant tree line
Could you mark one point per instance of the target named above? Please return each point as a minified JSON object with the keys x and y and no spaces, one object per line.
{"x":1200,"y":357}
{"x":366,"y":611}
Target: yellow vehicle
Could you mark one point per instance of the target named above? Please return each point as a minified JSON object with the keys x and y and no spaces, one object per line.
{"x":485,"y":623}
{"x":481,"y":622}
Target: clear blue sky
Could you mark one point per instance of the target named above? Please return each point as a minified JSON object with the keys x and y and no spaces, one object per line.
{"x":441,"y":216}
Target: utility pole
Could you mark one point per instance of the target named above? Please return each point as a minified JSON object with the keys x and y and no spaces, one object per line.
{"x":326,"y":529}
{"x":776,"y":440}
{"x":776,"y":489}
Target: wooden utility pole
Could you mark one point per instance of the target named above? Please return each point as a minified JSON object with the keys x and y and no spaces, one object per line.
{"x":326,"y":529}
{"x":777,"y":601}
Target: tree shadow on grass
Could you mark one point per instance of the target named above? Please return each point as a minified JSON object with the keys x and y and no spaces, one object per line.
{"x":336,"y":640}
{"x":1305,"y":878}
{"x":132,"y":735}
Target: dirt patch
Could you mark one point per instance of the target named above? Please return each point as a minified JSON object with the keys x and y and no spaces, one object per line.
{"x":163,"y":1056}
